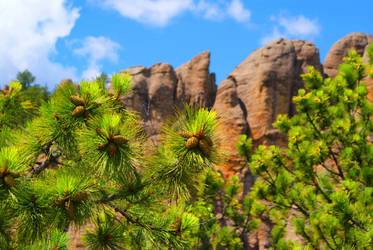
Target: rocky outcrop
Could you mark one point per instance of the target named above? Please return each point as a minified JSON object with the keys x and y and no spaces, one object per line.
{"x":262,"y":87}
{"x":354,"y":41}
{"x":158,"y":90}
{"x":195,"y":83}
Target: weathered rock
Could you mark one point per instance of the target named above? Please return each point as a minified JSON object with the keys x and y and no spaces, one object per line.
{"x":195,"y":83}
{"x":158,"y":90}
{"x":262,"y":87}
{"x":354,"y":41}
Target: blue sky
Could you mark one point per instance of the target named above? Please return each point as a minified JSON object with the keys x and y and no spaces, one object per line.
{"x":57,"y":39}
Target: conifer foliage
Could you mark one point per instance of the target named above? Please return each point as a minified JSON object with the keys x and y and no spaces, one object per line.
{"x":82,"y":161}
{"x":321,"y":183}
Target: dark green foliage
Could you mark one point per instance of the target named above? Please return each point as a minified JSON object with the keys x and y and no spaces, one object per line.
{"x":25,"y":78}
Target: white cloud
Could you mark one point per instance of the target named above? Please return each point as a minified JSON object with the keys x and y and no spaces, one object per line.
{"x":29,"y":30}
{"x":161,"y":12}
{"x":238,"y":12}
{"x":97,"y":49}
{"x":299,"y":26}
{"x":292,"y":27}
{"x":153,"y":12}
{"x":208,"y":10}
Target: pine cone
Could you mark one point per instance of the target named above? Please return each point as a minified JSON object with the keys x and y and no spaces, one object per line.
{"x":119,"y":140}
{"x":76,"y":100}
{"x":204,"y":147}
{"x":69,"y":208}
{"x":78,"y":111}
{"x":185,"y":134}
{"x":208,"y":140}
{"x":192,"y":142}
{"x":112,"y":149}
{"x":9,"y":181}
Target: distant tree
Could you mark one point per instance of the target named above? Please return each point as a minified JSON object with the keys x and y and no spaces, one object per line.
{"x":103,"y":79}
{"x":35,"y":93}
{"x":25,"y":78}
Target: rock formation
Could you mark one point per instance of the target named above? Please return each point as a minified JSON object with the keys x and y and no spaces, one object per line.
{"x":354,"y":41}
{"x":195,"y":83}
{"x":262,"y":87}
{"x":158,"y":90}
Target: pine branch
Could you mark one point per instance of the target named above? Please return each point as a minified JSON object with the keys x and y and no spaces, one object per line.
{"x":44,"y":165}
{"x":138,"y":223}
{"x":329,"y":148}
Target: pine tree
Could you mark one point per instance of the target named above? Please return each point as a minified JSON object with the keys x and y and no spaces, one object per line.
{"x":82,"y":160}
{"x":322,"y":182}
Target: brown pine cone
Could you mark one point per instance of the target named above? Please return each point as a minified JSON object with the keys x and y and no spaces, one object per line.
{"x":185,"y":134}
{"x":76,"y":100}
{"x":192,"y":142}
{"x":78,"y":111}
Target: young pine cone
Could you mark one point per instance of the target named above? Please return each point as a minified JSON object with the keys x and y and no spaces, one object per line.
{"x":185,"y":134}
{"x":78,"y":111}
{"x":119,"y":140}
{"x":192,"y":142}
{"x":204,"y":147}
{"x":76,"y":100}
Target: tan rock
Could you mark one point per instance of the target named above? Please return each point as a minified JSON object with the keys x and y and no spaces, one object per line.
{"x":195,"y":83}
{"x":159,"y":90}
{"x":262,"y":87}
{"x":354,"y":41}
